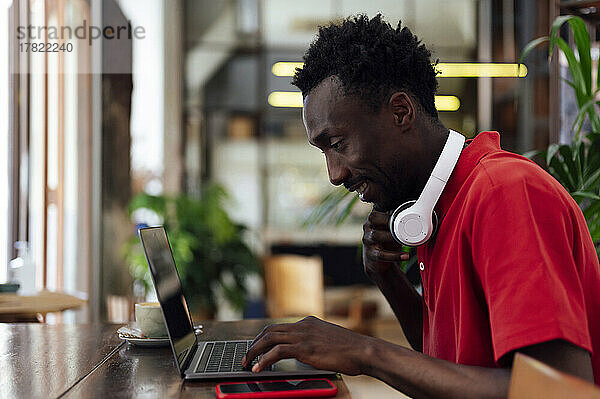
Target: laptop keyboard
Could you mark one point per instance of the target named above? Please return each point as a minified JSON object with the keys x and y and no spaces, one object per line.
{"x":223,"y":357}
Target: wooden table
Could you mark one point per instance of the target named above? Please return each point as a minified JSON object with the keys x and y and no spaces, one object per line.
{"x":89,"y":361}
{"x":15,"y":307}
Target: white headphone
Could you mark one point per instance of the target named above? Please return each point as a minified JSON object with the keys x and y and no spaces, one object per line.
{"x":414,"y":222}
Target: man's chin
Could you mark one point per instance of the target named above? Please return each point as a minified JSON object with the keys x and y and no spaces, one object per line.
{"x":387,"y":205}
{"x":383,"y":202}
{"x":382,"y":207}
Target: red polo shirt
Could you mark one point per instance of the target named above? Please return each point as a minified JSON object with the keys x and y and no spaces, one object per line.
{"x":512,"y":264}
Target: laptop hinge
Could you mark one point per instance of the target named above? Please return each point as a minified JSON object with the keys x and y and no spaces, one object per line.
{"x":189,"y":359}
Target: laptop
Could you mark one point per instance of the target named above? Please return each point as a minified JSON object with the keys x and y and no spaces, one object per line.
{"x":200,"y":359}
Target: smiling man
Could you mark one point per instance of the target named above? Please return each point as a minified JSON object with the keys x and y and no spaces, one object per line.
{"x":511,"y":267}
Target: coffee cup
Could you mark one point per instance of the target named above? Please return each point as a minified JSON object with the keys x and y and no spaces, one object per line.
{"x":149,"y":319}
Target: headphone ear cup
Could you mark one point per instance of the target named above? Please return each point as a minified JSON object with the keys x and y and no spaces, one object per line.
{"x":404,"y":207}
{"x":393,"y":216}
{"x":399,"y":210}
{"x":415,"y":222}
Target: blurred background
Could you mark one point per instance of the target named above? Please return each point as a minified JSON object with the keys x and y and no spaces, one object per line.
{"x":192,"y":123}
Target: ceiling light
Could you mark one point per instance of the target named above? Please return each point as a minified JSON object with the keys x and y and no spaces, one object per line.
{"x":447,"y":103}
{"x":447,"y":69}
{"x":285,"y":99}
{"x":480,"y":70}
{"x":293,"y":99}
{"x":285,"y":68}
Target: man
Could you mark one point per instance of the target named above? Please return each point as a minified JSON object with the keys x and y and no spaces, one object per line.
{"x":511,"y":268}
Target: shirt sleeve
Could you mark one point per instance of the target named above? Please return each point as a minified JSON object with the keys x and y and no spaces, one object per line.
{"x":522,"y":236}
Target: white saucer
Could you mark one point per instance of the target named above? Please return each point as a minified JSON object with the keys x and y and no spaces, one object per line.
{"x":148,"y":342}
{"x":133,"y":335}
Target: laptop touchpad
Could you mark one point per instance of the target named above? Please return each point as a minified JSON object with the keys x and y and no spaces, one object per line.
{"x":291,"y":365}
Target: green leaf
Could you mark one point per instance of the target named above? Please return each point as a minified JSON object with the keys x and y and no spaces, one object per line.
{"x":582,"y":41}
{"x":578,"y":195}
{"x":575,"y":69}
{"x":558,"y":169}
{"x":582,"y":158}
{"x":592,"y":211}
{"x":594,"y":120}
{"x":332,"y":207}
{"x":154,"y":203}
{"x":593,"y":180}
{"x":582,"y":69}
{"x":586,"y":109}
{"x":346,"y":210}
{"x":578,"y":162}
{"x":567,"y":156}
{"x":554,"y":29}
{"x":567,"y":81}
{"x":530,"y":46}
{"x":593,"y":156}
{"x":532,"y":154}
{"x":551,"y":152}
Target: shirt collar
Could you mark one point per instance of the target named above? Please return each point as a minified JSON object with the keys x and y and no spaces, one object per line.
{"x":483,"y":144}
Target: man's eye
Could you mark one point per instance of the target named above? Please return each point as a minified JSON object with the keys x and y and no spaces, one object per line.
{"x":334,"y":142}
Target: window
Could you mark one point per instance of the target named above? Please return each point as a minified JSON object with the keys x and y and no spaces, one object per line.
{"x":53,"y":208}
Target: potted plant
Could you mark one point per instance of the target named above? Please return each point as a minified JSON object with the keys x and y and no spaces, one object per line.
{"x":576,"y":165}
{"x":211,"y":256}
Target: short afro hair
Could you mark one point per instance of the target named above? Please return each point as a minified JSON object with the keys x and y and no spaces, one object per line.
{"x":371,"y":60}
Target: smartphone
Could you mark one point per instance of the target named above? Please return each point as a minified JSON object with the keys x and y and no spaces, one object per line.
{"x":301,"y":388}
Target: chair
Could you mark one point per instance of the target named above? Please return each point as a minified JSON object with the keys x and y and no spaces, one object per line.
{"x":351,"y":308}
{"x":119,"y":309}
{"x":532,"y":379}
{"x":294,"y":285}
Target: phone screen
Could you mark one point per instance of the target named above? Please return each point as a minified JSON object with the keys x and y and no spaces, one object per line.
{"x":275,"y":386}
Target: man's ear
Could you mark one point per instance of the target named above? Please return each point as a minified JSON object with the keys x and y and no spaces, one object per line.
{"x":403,"y":109}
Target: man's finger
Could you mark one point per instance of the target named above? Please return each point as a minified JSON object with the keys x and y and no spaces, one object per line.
{"x":381,"y":255}
{"x":282,"y":327}
{"x":382,"y":238}
{"x":378,"y":219}
{"x":264,"y":342}
{"x":278,"y":352}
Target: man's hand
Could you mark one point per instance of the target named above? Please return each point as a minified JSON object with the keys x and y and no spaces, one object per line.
{"x":380,"y":250}
{"x":380,"y":253}
{"x":312,"y":341}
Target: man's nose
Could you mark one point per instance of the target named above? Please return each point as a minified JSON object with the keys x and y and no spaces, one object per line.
{"x":338,"y":173}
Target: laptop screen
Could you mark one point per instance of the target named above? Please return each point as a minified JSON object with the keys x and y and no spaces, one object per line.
{"x":169,"y":292}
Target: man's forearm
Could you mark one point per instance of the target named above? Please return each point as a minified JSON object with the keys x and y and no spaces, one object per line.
{"x":421,"y":376}
{"x":405,"y":301}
